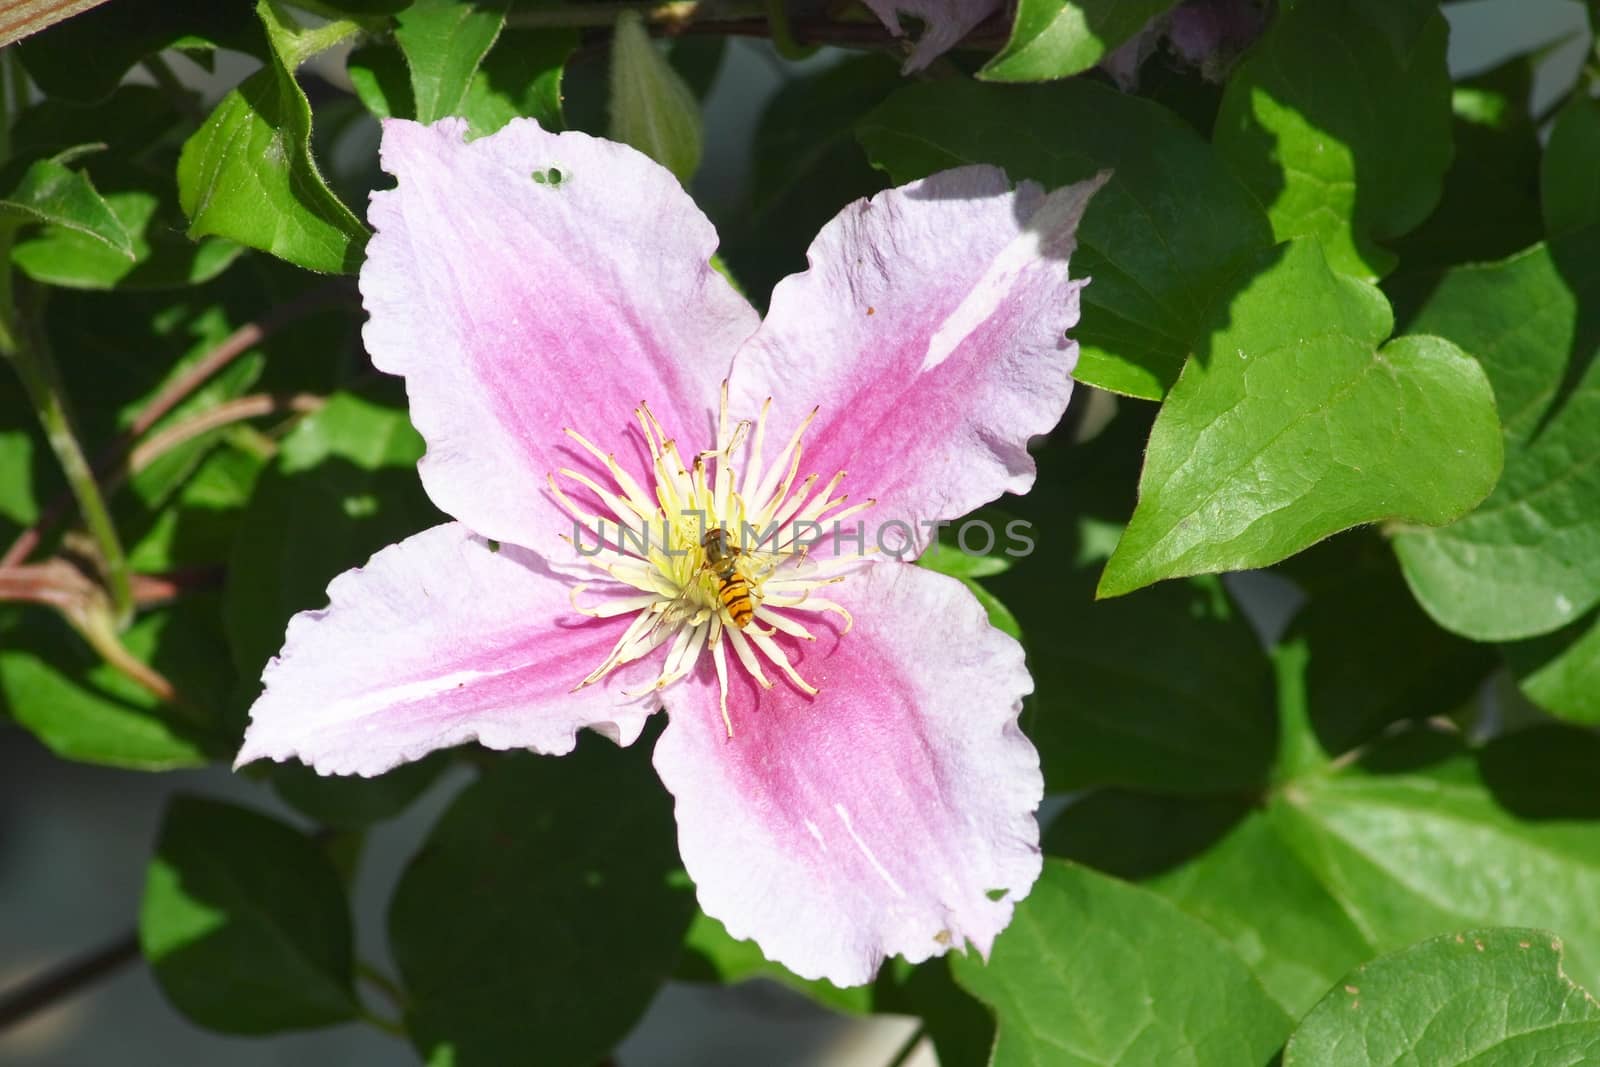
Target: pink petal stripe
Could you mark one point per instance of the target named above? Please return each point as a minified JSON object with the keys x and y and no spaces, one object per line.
{"x":518,"y":307}
{"x":877,"y":817}
{"x":437,"y":641}
{"x":930,"y":329}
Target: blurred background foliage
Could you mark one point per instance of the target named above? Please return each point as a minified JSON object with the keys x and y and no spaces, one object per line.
{"x":1324,"y":745}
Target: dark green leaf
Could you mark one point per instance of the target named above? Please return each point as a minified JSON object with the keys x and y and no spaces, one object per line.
{"x":85,"y":57}
{"x":521,"y":76}
{"x":960,"y":1028}
{"x":1084,"y":949}
{"x":804,"y":163}
{"x":344,"y":485}
{"x":698,"y":60}
{"x":1560,"y":671}
{"x":1489,"y":206}
{"x":1055,"y":38}
{"x":378,"y":74}
{"x":1375,"y":658}
{"x":1163,"y":240}
{"x":352,"y":803}
{"x":57,"y":688}
{"x":128,"y":123}
{"x":248,"y":175}
{"x":1339,"y":120}
{"x":245,"y":922}
{"x":543,"y":912}
{"x":1528,"y":560}
{"x":1292,"y":423}
{"x":1570,"y":180}
{"x":711,"y":954}
{"x":50,"y":192}
{"x":1166,"y":690}
{"x":116,"y":351}
{"x":1484,"y":998}
{"x":190,"y":506}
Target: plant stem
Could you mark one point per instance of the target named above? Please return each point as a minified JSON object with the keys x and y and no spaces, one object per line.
{"x":229,"y":411}
{"x":910,"y":1046}
{"x":391,"y":990}
{"x":64,"y":981}
{"x":30,"y":355}
{"x":738,"y":18}
{"x":671,"y":13}
{"x":388,"y":1026}
{"x":782,"y":35}
{"x":231,"y":348}
{"x":388,"y":986}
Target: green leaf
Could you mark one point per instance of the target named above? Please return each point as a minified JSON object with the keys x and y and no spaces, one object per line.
{"x":195,"y":507}
{"x":698,"y":59}
{"x":652,"y":107}
{"x":248,"y":175}
{"x":1339,"y":120}
{"x":1419,"y":838}
{"x":544,"y":910}
{"x":22,"y":452}
{"x":711,"y":954}
{"x":128,"y":122}
{"x":1560,"y":671}
{"x":1489,"y":206}
{"x":443,"y":42}
{"x":1163,"y":240}
{"x":1413,"y":845}
{"x":1485,"y":998}
{"x":344,"y":485}
{"x":1292,"y":424}
{"x":804,"y":163}
{"x":158,"y":255}
{"x":1055,"y":38}
{"x":1227,"y":865}
{"x":521,"y":77}
{"x":84,"y":58}
{"x":347,"y":802}
{"x":49,"y":192}
{"x":1528,"y":560}
{"x":948,"y":557}
{"x":1376,"y":659}
{"x":1166,"y":690}
{"x":53,"y":685}
{"x":245,"y":922}
{"x":378,"y":74}
{"x":960,"y":1028}
{"x":1570,"y":179}
{"x":1070,"y":991}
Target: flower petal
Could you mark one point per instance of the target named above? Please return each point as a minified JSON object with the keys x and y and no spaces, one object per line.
{"x":930,"y":329}
{"x":439,"y":640}
{"x":518,"y":307}
{"x":944,"y":23}
{"x":879,"y":817}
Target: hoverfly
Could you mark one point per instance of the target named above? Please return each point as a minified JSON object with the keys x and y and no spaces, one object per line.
{"x":733,"y":590}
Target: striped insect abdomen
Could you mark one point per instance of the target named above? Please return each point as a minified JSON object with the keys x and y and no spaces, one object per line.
{"x":734,"y":592}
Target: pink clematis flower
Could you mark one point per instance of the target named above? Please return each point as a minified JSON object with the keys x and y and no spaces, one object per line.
{"x":598,"y":403}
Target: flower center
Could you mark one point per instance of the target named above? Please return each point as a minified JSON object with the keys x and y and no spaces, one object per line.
{"x":717,"y":557}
